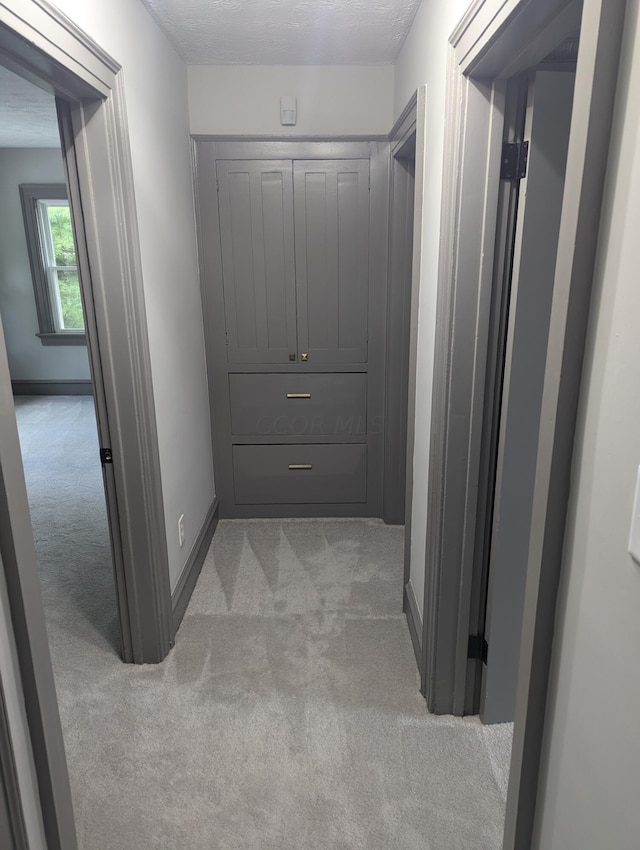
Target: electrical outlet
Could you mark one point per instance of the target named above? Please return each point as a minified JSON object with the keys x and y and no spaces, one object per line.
{"x":181,"y":530}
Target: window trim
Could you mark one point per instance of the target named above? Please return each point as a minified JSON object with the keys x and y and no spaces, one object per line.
{"x":30,"y":194}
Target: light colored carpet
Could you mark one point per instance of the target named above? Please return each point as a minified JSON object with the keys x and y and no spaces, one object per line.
{"x":60,"y":453}
{"x":287,"y":715}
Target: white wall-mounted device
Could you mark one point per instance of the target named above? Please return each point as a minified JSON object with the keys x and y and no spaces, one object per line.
{"x":288,"y":110}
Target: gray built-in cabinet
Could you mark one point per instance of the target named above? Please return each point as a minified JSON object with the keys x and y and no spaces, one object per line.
{"x":293,"y":253}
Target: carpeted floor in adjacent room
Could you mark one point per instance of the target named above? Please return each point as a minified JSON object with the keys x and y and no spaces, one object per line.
{"x":287,"y":717}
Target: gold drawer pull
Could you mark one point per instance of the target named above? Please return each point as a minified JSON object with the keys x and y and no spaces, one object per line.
{"x":298,"y":395}
{"x":300,"y":466}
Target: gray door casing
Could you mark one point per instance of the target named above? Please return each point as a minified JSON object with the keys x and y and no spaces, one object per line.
{"x":92,"y":118}
{"x":495,"y":41}
{"x":536,"y":244}
{"x":39,"y":43}
{"x":399,"y":318}
{"x":13,"y":830}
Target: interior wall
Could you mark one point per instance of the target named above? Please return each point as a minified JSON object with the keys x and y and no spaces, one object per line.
{"x":423,"y":60}
{"x":332,"y":100}
{"x":591,"y":767}
{"x":155,"y":81}
{"x":29,"y":360}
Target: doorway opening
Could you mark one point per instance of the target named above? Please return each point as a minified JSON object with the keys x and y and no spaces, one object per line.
{"x":461,"y":531}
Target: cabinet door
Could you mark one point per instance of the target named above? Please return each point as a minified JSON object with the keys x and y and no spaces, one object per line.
{"x":255,"y":199}
{"x":332,"y":259}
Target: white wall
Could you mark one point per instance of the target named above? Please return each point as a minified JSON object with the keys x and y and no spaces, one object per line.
{"x":592,"y":775}
{"x":423,"y":60}
{"x":245,"y":99}
{"x":29,"y":360}
{"x":155,"y":81}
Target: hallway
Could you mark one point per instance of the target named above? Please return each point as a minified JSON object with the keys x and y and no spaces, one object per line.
{"x":287,"y":715}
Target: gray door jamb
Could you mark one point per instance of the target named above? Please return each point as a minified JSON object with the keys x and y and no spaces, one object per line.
{"x":42,"y":45}
{"x":395,"y":497}
{"x":596,"y":80}
{"x":98,"y":161}
{"x":18,"y":556}
{"x":494,"y":41}
{"x":13,"y":830}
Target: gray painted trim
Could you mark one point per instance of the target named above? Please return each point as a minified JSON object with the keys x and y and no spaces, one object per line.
{"x":515,"y":109}
{"x":44,"y":46}
{"x":73,"y":62}
{"x":95,"y":134}
{"x":462,"y":321}
{"x":189,"y":576}
{"x":418,"y":215}
{"x":98,"y":392}
{"x":472,"y":108}
{"x":378,"y":294}
{"x":400,"y":280}
{"x":283,"y":148}
{"x":284,"y":139}
{"x":405,"y":124}
{"x":62,"y":338}
{"x":596,"y":81}
{"x":12,"y":819}
{"x":475,"y":110}
{"x":414,"y":620}
{"x":17,"y":554}
{"x":496,"y":39}
{"x":30,"y":193}
{"x":68,"y":387}
{"x":100,"y":181}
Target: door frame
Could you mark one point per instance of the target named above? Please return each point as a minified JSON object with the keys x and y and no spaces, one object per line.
{"x":42,"y":45}
{"x":399,"y":325}
{"x":412,"y":121}
{"x":494,"y":41}
{"x":13,"y":829}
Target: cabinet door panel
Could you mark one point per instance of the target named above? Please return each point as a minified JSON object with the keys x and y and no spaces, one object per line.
{"x":256,"y":232}
{"x":332,"y":259}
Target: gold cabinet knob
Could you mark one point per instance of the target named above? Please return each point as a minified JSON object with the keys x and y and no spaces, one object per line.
{"x":304,"y":357}
{"x":292,"y":357}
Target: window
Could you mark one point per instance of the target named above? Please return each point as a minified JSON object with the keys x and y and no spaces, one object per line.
{"x":54,"y":268}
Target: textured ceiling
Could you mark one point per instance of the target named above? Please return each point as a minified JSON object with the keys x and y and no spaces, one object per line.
{"x":285,"y":32}
{"x":27,"y":114}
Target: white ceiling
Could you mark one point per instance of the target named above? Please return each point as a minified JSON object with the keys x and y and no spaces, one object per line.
{"x":285,"y":32}
{"x":27,"y":114}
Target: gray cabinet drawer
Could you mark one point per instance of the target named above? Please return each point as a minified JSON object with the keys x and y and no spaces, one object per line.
{"x":286,"y":405}
{"x":312,"y":474}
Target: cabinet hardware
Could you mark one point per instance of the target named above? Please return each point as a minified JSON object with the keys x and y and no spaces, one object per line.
{"x":300,"y":466}
{"x":292,"y":357}
{"x":304,"y":357}
{"x":298,"y":395}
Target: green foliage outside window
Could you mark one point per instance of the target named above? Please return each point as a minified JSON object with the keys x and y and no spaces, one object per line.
{"x":65,"y":255}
